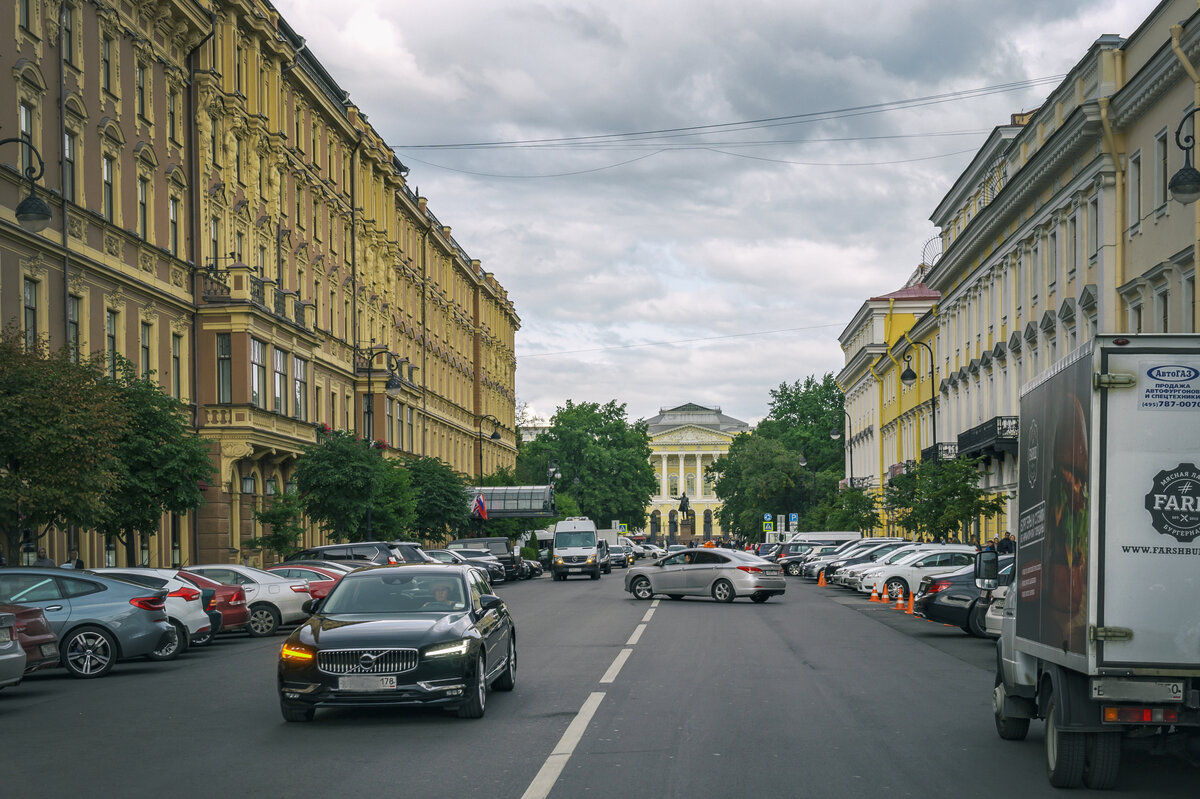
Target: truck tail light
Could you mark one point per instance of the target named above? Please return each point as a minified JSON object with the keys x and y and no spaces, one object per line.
{"x":1140,"y":715}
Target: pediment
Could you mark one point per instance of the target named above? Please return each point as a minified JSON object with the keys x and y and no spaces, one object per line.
{"x":691,"y":434}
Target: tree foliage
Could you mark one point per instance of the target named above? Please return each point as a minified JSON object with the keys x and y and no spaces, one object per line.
{"x":603,"y":460}
{"x":161,"y":462}
{"x":937,"y":498}
{"x":283,"y":517}
{"x":442,"y":500}
{"x":338,"y":478}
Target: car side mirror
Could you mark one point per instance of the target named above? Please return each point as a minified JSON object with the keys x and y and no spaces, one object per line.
{"x":987,"y":570}
{"x":311,"y":606}
{"x":490,"y":601}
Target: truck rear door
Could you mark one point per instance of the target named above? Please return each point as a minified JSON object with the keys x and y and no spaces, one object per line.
{"x":1149,"y":528}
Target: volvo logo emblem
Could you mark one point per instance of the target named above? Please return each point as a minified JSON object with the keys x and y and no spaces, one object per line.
{"x":367,"y":660}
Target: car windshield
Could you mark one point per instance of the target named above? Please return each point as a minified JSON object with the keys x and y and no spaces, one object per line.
{"x":569,"y":540}
{"x":473,"y":553}
{"x":396,"y":592}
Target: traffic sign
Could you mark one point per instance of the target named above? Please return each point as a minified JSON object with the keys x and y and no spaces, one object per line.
{"x":793,"y":518}
{"x":766,"y":517}
{"x":768,"y":527}
{"x":624,"y":528}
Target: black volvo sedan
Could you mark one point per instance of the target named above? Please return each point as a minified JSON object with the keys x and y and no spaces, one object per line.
{"x":410,"y":634}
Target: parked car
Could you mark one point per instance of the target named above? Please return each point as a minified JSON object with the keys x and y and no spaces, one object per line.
{"x":855,"y":576}
{"x":994,"y":615}
{"x":765,"y":549}
{"x":675,"y":548}
{"x":35,"y":636}
{"x":226,"y":606}
{"x":814,"y":567}
{"x":484,"y":559}
{"x":535,"y":568}
{"x":499,"y":546}
{"x":897,"y":579}
{"x":416,"y":634}
{"x":793,"y":564}
{"x":653,"y":551}
{"x":618,"y":556}
{"x":184,"y":608}
{"x":871,"y":554}
{"x":320,"y":579}
{"x":951,"y":598}
{"x":413,"y":551}
{"x":377,"y":552}
{"x":723,"y":574}
{"x":12,"y":655}
{"x":97,"y":618}
{"x":273,"y":600}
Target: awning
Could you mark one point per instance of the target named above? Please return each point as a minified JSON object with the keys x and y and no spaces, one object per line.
{"x":517,"y":502}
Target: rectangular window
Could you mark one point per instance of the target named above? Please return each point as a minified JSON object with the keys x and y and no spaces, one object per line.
{"x":139,"y":90}
{"x":1135,"y":190}
{"x":176,"y":366}
{"x":73,"y":304}
{"x":1162,"y":177}
{"x":68,"y":35}
{"x":24,"y":14}
{"x":258,"y":373}
{"x":173,"y":225}
{"x":1093,"y":225}
{"x":239,"y":239}
{"x":172,"y":101}
{"x":412,"y":442}
{"x":106,"y":64}
{"x":1052,"y":260}
{"x":237,"y":160}
{"x":31,"y":313}
{"x":214,"y":231}
{"x":389,"y":430}
{"x":69,"y":167}
{"x":1072,"y":246}
{"x":143,"y":207}
{"x":224,"y":368}
{"x":262,"y":261}
{"x":145,"y":346}
{"x":300,"y":388}
{"x":398,"y":443}
{"x":110,"y":342}
{"x":26,"y":125}
{"x":1164,"y":314}
{"x":280,"y":396}
{"x":108,"y":188}
{"x":368,"y":418}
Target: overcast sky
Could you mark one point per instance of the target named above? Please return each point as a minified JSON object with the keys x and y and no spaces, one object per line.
{"x":714,"y":261}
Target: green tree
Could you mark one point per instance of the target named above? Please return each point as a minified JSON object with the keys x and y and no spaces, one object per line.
{"x":854,"y":510}
{"x":801,"y":416}
{"x":939,"y":497}
{"x":284,"y":516}
{"x":603,"y":460}
{"x":161,"y":462}
{"x":338,"y":477}
{"x":442,"y":500}
{"x":58,"y":442}
{"x":759,"y":475}
{"x":394,"y":508}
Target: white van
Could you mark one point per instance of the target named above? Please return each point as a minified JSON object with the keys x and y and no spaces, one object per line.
{"x":576,"y":549}
{"x":634,"y":547}
{"x":827,"y":537}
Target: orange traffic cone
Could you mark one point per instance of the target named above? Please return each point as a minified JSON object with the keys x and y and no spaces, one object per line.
{"x":910,"y":604}
{"x":874,"y":595}
{"x":899,"y":600}
{"x":821,"y":578}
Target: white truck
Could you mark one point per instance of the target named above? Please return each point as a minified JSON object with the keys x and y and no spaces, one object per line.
{"x":1101,"y":630}
{"x":577,"y":549}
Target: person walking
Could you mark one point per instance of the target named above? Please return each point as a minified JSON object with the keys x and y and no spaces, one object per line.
{"x":73,"y":560}
{"x":44,"y":562}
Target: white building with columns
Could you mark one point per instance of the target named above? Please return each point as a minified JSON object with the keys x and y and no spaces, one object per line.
{"x":683,"y":442}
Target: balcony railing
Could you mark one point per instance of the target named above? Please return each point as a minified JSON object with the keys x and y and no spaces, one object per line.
{"x":943,"y":450}
{"x":995,"y":437}
{"x":238,"y":284}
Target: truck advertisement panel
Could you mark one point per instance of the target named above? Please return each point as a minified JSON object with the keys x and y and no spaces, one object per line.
{"x":1150,"y":535}
{"x":1054,"y":500}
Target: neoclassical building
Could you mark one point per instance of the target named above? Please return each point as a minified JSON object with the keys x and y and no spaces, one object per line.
{"x":224,"y":216}
{"x":683,"y":441}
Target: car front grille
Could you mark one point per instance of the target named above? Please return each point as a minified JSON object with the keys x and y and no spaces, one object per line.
{"x":366,"y":661}
{"x":575,"y":559}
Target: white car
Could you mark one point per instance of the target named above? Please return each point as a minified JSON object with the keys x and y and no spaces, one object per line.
{"x":905,"y":574}
{"x":653,"y":551}
{"x":273,"y":600}
{"x":856,"y":576}
{"x":185,"y":610}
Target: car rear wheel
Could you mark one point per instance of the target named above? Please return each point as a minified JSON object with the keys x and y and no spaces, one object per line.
{"x":1102,"y":760}
{"x":642,"y":589}
{"x":294,"y":712}
{"x":722,"y":591}
{"x":1065,"y":751}
{"x":508,"y":678}
{"x":88,"y":652}
{"x":264,"y":621}
{"x":974,"y":624}
{"x":475,"y":704}
{"x":203,"y":639}
{"x":792,"y":569}
{"x":174,"y":647}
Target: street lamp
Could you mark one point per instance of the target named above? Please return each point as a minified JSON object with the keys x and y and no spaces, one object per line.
{"x":835,"y":434}
{"x":1185,"y":184}
{"x":908,"y":377}
{"x":495,"y":437}
{"x":552,"y":472}
{"x":32,"y":213}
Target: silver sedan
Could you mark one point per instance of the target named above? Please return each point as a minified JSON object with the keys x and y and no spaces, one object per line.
{"x":723,"y":574}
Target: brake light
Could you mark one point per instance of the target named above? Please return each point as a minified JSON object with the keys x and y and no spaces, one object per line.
{"x":149,"y":602}
{"x":188,"y":594}
{"x":300,"y":589}
{"x":239,"y":597}
{"x":212,"y":603}
{"x":1141,"y":715}
{"x":752,"y":569}
{"x":937,"y":586}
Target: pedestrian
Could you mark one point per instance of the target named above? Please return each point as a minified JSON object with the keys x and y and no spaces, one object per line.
{"x":73,"y":560}
{"x":43,"y":562}
{"x":1007,"y":545}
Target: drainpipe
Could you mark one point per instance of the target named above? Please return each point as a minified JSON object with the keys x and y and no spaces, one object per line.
{"x":64,"y":10}
{"x":425,"y":334}
{"x":1176,"y":32}
{"x":354,"y":283}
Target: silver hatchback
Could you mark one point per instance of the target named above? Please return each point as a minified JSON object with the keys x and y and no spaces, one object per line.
{"x":723,"y":574}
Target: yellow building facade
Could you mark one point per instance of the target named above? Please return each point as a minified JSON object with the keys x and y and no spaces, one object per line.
{"x":684,"y":441}
{"x":226,"y":218}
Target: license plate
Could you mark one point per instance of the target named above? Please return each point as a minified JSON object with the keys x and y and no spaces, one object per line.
{"x":367,"y":682}
{"x":575,"y":569}
{"x":50,"y":650}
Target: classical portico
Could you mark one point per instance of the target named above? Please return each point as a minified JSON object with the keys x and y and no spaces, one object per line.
{"x":683,"y":442}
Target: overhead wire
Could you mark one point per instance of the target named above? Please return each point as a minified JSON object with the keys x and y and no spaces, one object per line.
{"x":678,"y":341}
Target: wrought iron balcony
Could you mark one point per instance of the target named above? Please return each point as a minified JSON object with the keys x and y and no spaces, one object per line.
{"x":994,"y":438}
{"x":943,"y":450}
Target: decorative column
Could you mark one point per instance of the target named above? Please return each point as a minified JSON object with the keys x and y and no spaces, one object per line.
{"x":664,"y":488}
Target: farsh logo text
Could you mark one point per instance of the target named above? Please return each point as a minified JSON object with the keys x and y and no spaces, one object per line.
{"x":1174,"y":502}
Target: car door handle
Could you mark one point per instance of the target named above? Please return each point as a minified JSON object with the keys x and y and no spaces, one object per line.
{"x":54,"y":607}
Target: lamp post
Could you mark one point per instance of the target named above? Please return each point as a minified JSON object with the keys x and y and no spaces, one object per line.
{"x":1185,"y":184}
{"x":835,"y":434}
{"x":495,"y":437}
{"x":364,"y":360}
{"x":32,"y":213}
{"x":908,"y":377}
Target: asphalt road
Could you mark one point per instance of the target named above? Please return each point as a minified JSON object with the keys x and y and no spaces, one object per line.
{"x":814,"y":694}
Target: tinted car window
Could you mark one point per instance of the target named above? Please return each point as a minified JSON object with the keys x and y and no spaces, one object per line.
{"x":17,"y":588}
{"x":139,"y":579}
{"x":73,"y":587}
{"x":708,"y":558}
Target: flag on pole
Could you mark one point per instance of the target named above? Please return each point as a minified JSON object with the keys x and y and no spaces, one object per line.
{"x":479,"y":508}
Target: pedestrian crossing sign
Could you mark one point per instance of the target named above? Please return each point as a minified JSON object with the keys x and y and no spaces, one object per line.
{"x":768,"y":527}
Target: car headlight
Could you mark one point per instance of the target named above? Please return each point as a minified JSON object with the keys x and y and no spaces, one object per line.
{"x":558,"y":561}
{"x":591,"y":558}
{"x":297,"y":653}
{"x":450,"y":649}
